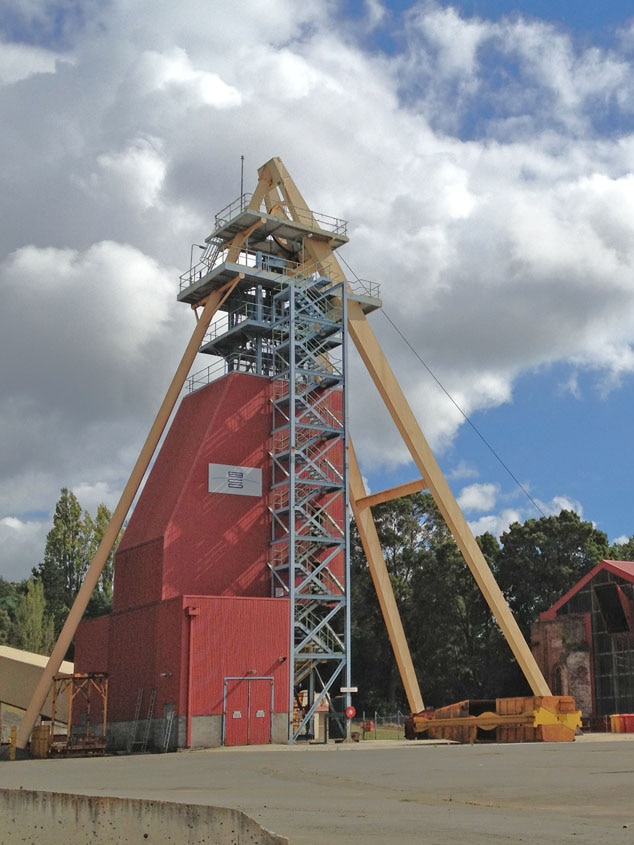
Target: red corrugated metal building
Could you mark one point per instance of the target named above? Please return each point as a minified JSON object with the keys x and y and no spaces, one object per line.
{"x":194,"y":631}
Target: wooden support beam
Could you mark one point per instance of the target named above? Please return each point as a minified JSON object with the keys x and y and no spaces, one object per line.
{"x":382,"y":584}
{"x":276,"y":177}
{"x":392,"y":493}
{"x":275,"y":181}
{"x":275,"y":184}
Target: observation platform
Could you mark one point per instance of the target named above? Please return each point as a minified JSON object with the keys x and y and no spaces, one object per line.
{"x":272,"y":277}
{"x":331,"y":230}
{"x":271,"y":256}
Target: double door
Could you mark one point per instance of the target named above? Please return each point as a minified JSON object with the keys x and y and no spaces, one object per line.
{"x":247,"y":710}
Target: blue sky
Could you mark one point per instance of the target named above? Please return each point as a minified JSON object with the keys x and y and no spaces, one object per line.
{"x":548,"y":442}
{"x":482,"y":152}
{"x":578,"y":17}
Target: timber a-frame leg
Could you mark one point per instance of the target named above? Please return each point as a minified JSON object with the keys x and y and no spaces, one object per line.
{"x":381,"y":579}
{"x":384,"y":379}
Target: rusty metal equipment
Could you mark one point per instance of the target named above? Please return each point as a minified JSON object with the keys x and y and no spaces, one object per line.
{"x":541,"y":718}
{"x":88,"y":698}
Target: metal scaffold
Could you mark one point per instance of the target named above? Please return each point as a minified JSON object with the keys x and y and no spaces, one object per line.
{"x":309,"y":491}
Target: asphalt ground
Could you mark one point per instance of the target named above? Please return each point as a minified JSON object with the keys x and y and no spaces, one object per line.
{"x":382,"y":792}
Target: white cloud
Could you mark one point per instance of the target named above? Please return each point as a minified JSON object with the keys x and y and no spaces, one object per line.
{"x":91,"y":495}
{"x":174,"y":74}
{"x":478,"y":497}
{"x":20,"y":61}
{"x":134,"y":175}
{"x":462,"y":471}
{"x":22,"y":546}
{"x":496,"y":524}
{"x":375,"y":12}
{"x":482,"y":187}
{"x":102,"y":341}
{"x":561,"y":503}
{"x":454,"y":40}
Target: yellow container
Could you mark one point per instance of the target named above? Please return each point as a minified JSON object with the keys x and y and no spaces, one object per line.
{"x":40,"y":741}
{"x":616,"y":724}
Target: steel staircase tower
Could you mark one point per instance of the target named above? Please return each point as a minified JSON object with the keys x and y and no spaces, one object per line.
{"x":309,"y":488}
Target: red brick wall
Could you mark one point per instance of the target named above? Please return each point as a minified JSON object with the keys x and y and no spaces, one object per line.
{"x":562,"y":652}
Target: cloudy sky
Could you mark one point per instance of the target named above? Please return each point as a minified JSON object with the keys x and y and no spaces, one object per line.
{"x":482,"y":152}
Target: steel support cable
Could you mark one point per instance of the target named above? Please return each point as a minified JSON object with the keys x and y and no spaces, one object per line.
{"x":464,"y":415}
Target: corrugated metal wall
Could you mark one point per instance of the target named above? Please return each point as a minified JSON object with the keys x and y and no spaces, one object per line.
{"x":91,"y":645}
{"x":211,"y":544}
{"x":132,"y":657}
{"x":139,"y":573}
{"x":238,"y":637}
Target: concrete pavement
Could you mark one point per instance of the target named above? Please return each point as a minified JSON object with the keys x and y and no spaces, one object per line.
{"x":383,"y":792}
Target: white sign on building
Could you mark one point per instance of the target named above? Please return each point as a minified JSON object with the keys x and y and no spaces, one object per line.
{"x":237,"y":481}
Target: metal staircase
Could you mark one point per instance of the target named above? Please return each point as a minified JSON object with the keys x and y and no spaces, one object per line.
{"x":309,"y":489}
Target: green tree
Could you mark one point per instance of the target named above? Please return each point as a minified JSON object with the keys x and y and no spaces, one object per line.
{"x":94,"y":529}
{"x":70,"y":547}
{"x":33,"y":627}
{"x":542,"y":559}
{"x":457,"y":649}
{"x":64,"y":565}
{"x":622,"y":551}
{"x":6,"y":627}
{"x":9,"y":596}
{"x":405,"y":529}
{"x":456,"y":645}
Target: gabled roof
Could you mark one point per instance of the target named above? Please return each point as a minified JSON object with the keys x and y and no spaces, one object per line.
{"x":622,"y":568}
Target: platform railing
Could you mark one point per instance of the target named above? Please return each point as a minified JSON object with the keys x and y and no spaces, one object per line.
{"x":324,"y":221}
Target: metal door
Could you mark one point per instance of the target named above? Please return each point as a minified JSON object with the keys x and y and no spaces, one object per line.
{"x":247,"y":710}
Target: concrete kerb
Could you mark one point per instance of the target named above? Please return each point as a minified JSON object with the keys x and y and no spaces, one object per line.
{"x":50,"y":818}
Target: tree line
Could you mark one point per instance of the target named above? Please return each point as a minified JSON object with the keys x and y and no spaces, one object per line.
{"x":457,"y":648}
{"x":33,"y":611}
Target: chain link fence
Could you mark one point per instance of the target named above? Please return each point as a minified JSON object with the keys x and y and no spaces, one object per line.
{"x":380,"y":725}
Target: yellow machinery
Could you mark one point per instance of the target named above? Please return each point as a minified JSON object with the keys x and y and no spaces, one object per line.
{"x":540,"y":718}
